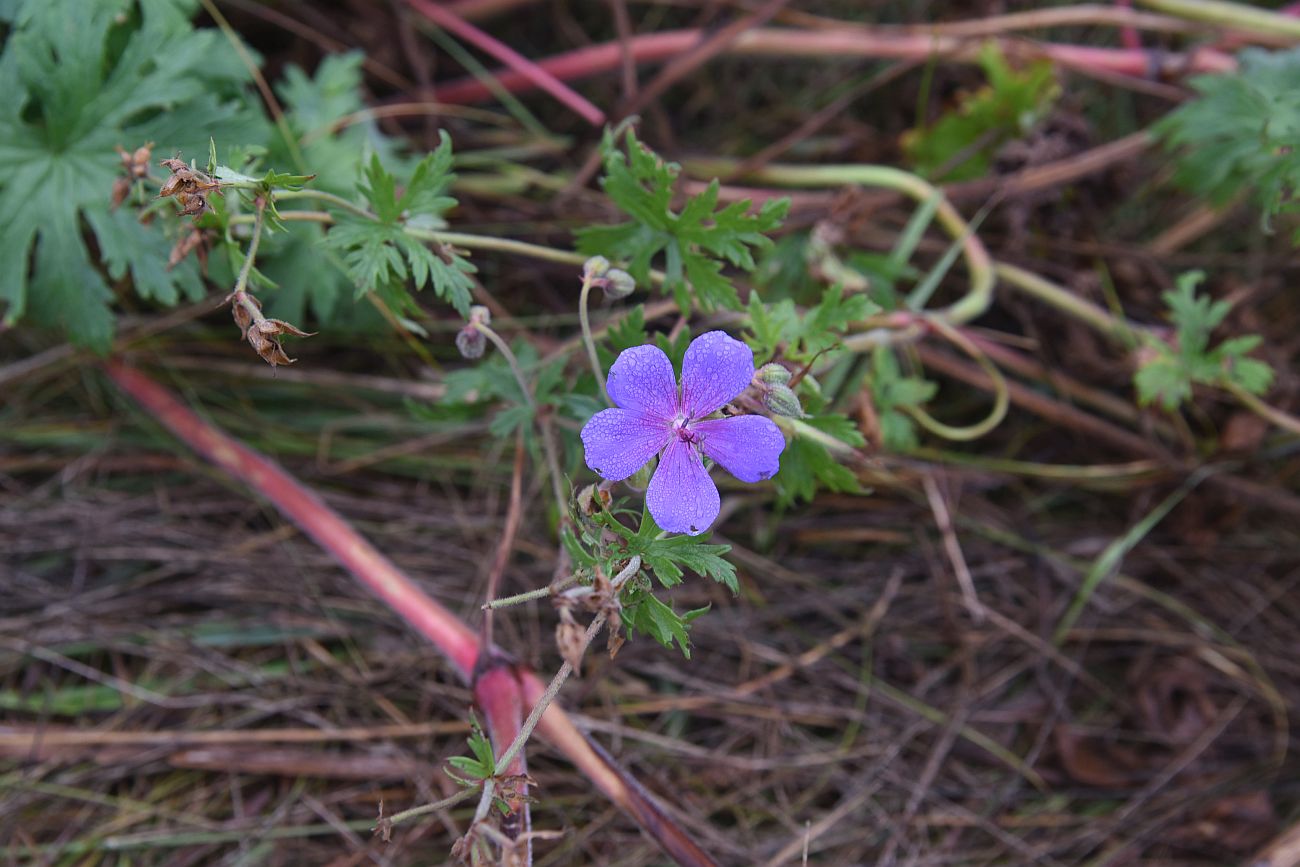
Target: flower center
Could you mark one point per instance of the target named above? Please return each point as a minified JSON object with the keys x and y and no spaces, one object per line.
{"x":682,"y":427}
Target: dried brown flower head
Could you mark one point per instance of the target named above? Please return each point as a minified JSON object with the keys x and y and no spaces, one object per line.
{"x":190,"y":187}
{"x":261,"y":333}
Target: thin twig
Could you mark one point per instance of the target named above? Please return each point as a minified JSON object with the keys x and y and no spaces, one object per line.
{"x":513,"y":513}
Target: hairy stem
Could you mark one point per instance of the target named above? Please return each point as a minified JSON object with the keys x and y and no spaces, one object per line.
{"x":386,"y":824}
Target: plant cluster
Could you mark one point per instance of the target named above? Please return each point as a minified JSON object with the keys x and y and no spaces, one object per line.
{"x":108,"y":206}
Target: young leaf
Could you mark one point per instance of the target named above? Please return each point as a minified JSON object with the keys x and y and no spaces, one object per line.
{"x":890,"y":391}
{"x":1167,"y":373}
{"x":694,"y":243}
{"x":963,"y":142}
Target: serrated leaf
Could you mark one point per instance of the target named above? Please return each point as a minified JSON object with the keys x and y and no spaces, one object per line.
{"x":643,"y":612}
{"x":1253,"y":375}
{"x":127,"y":246}
{"x":1239,"y":134}
{"x":805,"y":336}
{"x":1163,"y":380}
{"x":79,"y":80}
{"x":841,"y":427}
{"x":668,"y":557}
{"x":1168,"y":372}
{"x":694,"y":242}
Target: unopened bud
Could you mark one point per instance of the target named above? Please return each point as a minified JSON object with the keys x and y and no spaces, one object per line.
{"x":471,"y":342}
{"x":781,"y":400}
{"x":618,"y":283}
{"x":773,"y":374}
{"x":595,"y":268}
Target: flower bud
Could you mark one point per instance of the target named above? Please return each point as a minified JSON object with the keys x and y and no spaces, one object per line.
{"x":618,"y":283}
{"x":595,"y":268}
{"x":773,"y":374}
{"x":471,"y":342}
{"x":781,"y":400}
{"x":479,"y":313}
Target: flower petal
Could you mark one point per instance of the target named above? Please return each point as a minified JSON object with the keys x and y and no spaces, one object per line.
{"x":682,"y":498}
{"x":717,"y":367}
{"x":747,"y":446}
{"x":618,"y":442}
{"x":642,"y":379}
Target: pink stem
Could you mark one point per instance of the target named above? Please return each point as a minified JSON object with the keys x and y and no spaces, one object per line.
{"x":324,"y":526}
{"x":847,"y":42}
{"x":522,"y":66}
{"x":1129,"y":36}
{"x":499,"y":694}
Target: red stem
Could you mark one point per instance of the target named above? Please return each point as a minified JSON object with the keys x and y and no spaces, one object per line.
{"x":847,"y":42}
{"x":495,"y":694}
{"x":520,"y":65}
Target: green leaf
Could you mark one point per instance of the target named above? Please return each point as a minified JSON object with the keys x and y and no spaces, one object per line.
{"x":643,"y":612}
{"x":803,"y":337}
{"x":1168,"y":372}
{"x":962,"y":143}
{"x":839,"y":426}
{"x":891,"y":391}
{"x":694,"y":243}
{"x":668,"y":557}
{"x":79,"y":80}
{"x":127,"y":245}
{"x":807,"y":465}
{"x":1239,"y":134}
{"x":381,"y":254}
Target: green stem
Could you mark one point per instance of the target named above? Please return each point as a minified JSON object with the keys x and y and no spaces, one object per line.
{"x":978,"y":263}
{"x":239,"y":295}
{"x":1067,"y":302}
{"x":1001,"y":393}
{"x":459,"y":239}
{"x":519,"y":598}
{"x":587,"y":338}
{"x":1235,"y":15}
{"x":553,"y":688}
{"x":548,"y":442}
{"x":1284,"y":420}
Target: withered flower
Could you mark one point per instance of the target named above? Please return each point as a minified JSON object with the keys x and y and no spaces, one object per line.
{"x":136,"y":162}
{"x":264,"y":337}
{"x":569,"y":640}
{"x":136,"y":165}
{"x":261,"y":333}
{"x":189,"y":186}
{"x":187,"y":243}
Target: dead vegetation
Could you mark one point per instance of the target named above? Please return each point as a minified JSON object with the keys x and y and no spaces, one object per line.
{"x":185,"y":679}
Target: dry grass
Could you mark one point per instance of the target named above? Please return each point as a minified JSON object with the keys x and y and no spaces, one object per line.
{"x":186,"y":680}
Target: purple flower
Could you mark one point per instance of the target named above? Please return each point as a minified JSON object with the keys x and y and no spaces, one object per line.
{"x":652,"y":418}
